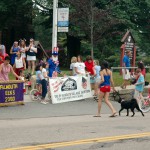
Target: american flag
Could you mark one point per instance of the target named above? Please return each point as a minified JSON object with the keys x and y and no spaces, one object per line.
{"x":84,"y":83}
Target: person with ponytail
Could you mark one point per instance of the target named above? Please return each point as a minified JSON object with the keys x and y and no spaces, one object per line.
{"x":105,"y":83}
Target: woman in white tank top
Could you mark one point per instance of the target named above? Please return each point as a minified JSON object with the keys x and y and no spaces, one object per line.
{"x":19,"y":63}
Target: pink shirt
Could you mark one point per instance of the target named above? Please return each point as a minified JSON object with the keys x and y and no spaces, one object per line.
{"x":4,"y":72}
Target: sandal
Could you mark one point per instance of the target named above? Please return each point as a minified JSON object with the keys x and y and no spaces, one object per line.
{"x":113,"y":115}
{"x":97,"y":116}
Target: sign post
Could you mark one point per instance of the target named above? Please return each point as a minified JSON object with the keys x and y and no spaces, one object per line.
{"x":54,"y":36}
{"x":128,"y":44}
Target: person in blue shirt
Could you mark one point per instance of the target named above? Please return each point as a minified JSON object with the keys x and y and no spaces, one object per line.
{"x":53,"y":65}
{"x":105,"y":87}
{"x":139,"y":85}
{"x":125,"y":71}
{"x":13,"y":51}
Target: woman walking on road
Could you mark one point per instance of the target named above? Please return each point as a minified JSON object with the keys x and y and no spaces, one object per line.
{"x":106,"y":79}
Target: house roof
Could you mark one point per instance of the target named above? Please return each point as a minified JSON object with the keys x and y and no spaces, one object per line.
{"x":125,"y":37}
{"x":39,"y":45}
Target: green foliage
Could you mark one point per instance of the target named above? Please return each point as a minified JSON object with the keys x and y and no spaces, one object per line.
{"x":104,"y":21}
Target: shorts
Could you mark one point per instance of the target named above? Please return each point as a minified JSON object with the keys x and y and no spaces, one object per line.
{"x":105,"y":88}
{"x":97,"y":79}
{"x":24,"y":90}
{"x":126,"y":76}
{"x":31,"y":58}
{"x":92,"y":80}
{"x":137,"y":94}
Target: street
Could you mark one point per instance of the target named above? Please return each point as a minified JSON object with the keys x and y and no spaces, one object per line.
{"x":71,"y":126}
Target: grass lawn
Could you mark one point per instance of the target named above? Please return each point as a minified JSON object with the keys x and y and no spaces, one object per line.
{"x":116,"y":76}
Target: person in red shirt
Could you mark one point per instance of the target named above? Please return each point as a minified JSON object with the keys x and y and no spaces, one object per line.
{"x":2,"y":53}
{"x":89,"y":65}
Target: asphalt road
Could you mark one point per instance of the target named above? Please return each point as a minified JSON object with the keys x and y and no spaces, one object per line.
{"x":71,"y":126}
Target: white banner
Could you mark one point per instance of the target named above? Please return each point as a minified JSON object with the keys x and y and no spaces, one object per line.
{"x":70,"y":89}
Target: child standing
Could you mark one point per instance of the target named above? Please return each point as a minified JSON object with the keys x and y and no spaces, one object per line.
{"x":97,"y":77}
{"x":21,"y":74}
{"x":41,"y":80}
{"x":139,"y":85}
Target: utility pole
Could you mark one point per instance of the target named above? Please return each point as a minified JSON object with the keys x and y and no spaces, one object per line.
{"x":54,"y":34}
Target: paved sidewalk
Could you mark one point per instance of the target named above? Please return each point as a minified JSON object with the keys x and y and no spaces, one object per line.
{"x":34,"y":109}
{"x":130,"y":87}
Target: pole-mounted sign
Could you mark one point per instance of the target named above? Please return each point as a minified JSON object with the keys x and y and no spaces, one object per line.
{"x":63,"y":19}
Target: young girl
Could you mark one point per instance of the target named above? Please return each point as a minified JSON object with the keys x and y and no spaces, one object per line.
{"x":21,"y":74}
{"x":139,"y":85}
{"x":41,"y":80}
{"x":19,"y":63}
{"x":97,"y":77}
{"x":72,"y":65}
{"x":105,"y":82}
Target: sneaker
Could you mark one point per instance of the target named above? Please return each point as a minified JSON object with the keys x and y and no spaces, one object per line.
{"x":44,"y":102}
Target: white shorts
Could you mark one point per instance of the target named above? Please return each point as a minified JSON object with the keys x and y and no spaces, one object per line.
{"x":126,"y":76}
{"x":31,"y":58}
{"x":97,"y":79}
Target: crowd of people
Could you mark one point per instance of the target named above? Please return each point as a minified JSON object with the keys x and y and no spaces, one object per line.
{"x":101,"y":78}
{"x":17,"y":60}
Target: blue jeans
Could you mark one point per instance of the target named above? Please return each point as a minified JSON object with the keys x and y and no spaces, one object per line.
{"x":44,"y":88}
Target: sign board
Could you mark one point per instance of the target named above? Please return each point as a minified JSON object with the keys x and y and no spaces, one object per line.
{"x":11,"y":92}
{"x":62,"y":29}
{"x":128,"y":44}
{"x":63,"y":19}
{"x":71,"y":88}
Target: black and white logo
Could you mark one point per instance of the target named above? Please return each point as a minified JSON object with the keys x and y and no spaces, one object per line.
{"x":69,"y":85}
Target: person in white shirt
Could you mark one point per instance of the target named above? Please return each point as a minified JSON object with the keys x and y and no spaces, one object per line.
{"x":79,"y":66}
{"x":19,"y":63}
{"x":31,"y":56}
{"x":72,"y":65}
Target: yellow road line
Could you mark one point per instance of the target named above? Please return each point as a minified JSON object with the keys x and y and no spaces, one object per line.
{"x":79,"y":142}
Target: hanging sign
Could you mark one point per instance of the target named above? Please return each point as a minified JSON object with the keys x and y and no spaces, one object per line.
{"x":63,"y":19}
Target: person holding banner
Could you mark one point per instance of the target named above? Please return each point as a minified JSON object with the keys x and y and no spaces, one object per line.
{"x":89,"y":65}
{"x":5,"y":69}
{"x":79,"y":66}
{"x":106,"y":80}
{"x":72,"y":66}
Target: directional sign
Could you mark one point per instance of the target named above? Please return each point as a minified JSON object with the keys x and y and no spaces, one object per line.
{"x":63,"y":19}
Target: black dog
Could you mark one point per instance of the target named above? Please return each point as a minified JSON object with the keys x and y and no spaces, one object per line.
{"x":129,"y":104}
